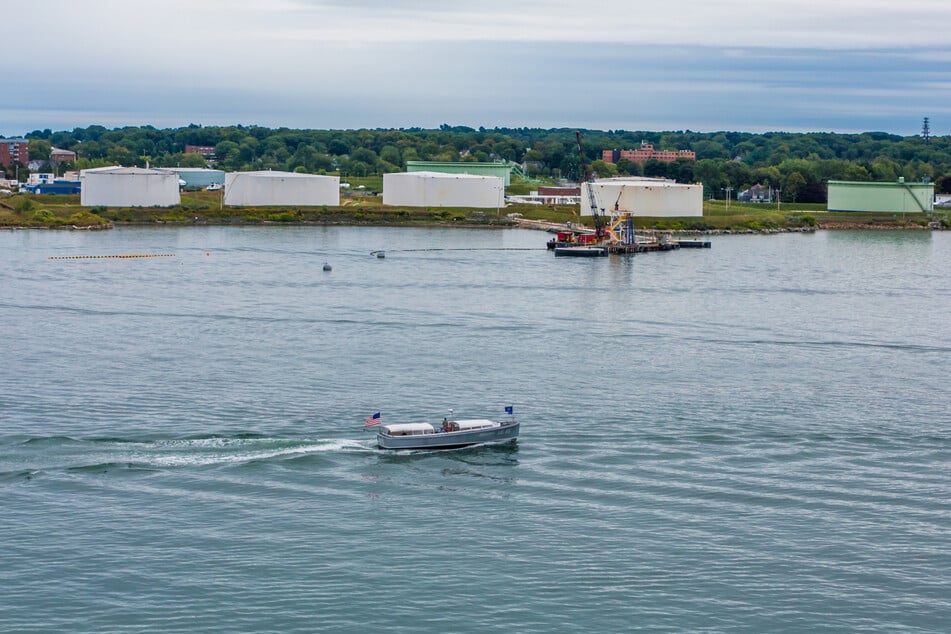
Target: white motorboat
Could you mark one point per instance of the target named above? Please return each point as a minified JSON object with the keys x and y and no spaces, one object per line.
{"x":450,"y":435}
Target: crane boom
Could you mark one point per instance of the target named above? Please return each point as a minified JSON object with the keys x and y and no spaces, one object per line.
{"x":587,"y":177}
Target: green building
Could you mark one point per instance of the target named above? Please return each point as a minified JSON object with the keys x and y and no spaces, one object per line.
{"x":892,"y":198}
{"x":501,"y":170}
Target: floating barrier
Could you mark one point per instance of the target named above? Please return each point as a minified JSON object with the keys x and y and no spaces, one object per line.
{"x":112,"y":257}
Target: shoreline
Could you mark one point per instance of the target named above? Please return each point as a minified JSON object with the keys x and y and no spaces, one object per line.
{"x":532,"y":225}
{"x":489,"y":222}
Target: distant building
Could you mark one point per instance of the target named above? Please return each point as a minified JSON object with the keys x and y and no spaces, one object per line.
{"x":58,"y":186}
{"x":557,"y":195}
{"x":501,"y":170}
{"x":39,"y":179}
{"x":61,"y":156}
{"x":645,"y":153}
{"x":14,"y":151}
{"x":559,"y":191}
{"x":207,"y":151}
{"x":893,"y":198}
{"x":756,"y":194}
{"x":204,"y":150}
{"x":197,"y":176}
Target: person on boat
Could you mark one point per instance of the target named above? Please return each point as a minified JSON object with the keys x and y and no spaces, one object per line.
{"x":445,"y":424}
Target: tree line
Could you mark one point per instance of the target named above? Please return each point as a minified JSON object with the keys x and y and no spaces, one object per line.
{"x":799,"y":164}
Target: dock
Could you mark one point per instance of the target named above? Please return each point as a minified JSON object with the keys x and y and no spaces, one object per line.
{"x":694,"y":244}
{"x":642,"y":247}
{"x":653,"y":243}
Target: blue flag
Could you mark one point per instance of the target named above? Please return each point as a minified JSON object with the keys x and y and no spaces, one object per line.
{"x":509,"y":409}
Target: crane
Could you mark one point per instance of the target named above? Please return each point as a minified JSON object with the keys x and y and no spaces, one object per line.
{"x":587,"y":177}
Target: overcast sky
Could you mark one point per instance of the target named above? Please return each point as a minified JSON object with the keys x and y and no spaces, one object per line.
{"x":706,"y":65}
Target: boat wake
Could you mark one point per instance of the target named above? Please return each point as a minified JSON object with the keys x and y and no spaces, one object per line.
{"x":45,"y":454}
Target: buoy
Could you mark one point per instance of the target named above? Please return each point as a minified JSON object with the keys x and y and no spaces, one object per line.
{"x":327,"y":267}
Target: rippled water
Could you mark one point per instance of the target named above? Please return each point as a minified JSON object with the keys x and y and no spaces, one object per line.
{"x":753,"y":437}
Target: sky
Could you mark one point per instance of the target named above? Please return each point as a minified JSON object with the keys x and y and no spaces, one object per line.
{"x":702,"y":65}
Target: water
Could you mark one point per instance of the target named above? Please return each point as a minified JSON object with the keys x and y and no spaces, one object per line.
{"x":749,"y":438}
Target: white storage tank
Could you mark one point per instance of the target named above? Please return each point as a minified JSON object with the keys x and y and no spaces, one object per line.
{"x":245,"y":189}
{"x":435,"y":189}
{"x":644,"y":197}
{"x":128,"y":187}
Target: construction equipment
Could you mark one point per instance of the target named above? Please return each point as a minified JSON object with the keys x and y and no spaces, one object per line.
{"x":588,"y":177}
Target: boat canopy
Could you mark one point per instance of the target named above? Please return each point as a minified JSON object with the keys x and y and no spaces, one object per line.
{"x":474,"y":423}
{"x":409,"y":429}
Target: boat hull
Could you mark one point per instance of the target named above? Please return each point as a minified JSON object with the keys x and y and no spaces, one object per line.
{"x":506,"y":432}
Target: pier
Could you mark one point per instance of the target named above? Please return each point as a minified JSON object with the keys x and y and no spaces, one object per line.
{"x":649,"y":246}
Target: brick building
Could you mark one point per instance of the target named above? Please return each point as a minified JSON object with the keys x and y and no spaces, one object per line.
{"x":647,"y":152}
{"x":14,"y":151}
{"x":61,"y":156}
{"x":204,"y":150}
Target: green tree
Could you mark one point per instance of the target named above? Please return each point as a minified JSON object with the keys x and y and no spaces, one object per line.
{"x":627,"y":167}
{"x":192,"y":159}
{"x":248,"y":149}
{"x":604,"y":170}
{"x":39,"y":150}
{"x":365,"y":156}
{"x":708,"y":172}
{"x":885,"y":170}
{"x":942,"y":184}
{"x":856,"y":173}
{"x":338,"y":147}
{"x":654,"y":168}
{"x":391,"y":154}
{"x":793,"y":185}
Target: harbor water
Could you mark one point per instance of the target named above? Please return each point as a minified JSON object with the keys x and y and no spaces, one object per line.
{"x":747,"y":438}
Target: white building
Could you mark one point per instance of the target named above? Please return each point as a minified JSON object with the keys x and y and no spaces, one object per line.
{"x":128,"y":187}
{"x":644,"y":197}
{"x":436,"y":189}
{"x":245,"y":189}
{"x":39,"y":179}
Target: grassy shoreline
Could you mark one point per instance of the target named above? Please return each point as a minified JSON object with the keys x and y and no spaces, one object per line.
{"x":25,"y":211}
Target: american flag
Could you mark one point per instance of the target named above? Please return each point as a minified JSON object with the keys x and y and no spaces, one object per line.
{"x":372,"y":420}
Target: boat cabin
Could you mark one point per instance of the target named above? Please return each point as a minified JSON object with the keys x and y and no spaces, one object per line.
{"x":408,"y":429}
{"x":420,"y":429}
{"x":475,"y":423}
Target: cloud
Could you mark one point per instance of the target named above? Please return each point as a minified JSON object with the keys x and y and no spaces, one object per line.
{"x":242,"y":27}
{"x":607,"y":63}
